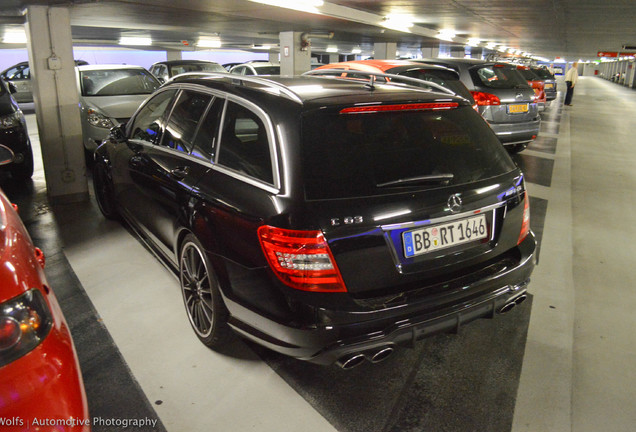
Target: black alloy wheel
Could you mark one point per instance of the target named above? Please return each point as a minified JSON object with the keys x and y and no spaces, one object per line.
{"x":104,"y":192}
{"x":200,"y":288}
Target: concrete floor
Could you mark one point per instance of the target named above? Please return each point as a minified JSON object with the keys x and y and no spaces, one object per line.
{"x":562,"y":362}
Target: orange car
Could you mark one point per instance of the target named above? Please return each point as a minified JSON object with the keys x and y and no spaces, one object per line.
{"x":537,"y":84}
{"x":440,"y":75}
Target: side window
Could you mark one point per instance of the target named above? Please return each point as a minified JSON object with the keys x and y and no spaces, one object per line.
{"x":148,"y":122}
{"x":249,"y":71}
{"x":244,"y":144}
{"x":239,"y":70}
{"x":184,"y":120}
{"x":204,"y":142}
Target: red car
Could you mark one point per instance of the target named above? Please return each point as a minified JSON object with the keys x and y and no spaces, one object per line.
{"x":537,"y":84}
{"x":40,"y":378}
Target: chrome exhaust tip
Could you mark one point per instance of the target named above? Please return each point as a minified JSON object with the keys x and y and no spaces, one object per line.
{"x":381,"y":354}
{"x":350,"y":361}
{"x":520,"y":299}
{"x":507,"y":307}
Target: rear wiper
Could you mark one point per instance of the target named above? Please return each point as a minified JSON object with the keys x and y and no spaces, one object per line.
{"x":432,"y":178}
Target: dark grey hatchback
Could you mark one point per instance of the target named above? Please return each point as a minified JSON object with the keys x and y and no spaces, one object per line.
{"x":503,"y":97}
{"x":326,"y":219}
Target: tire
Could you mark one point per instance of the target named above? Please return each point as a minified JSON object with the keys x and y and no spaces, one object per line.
{"x":200,"y":289}
{"x":24,"y":170}
{"x":104,"y":192}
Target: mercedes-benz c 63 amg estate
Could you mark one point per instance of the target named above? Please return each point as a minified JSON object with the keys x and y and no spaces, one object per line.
{"x":327,"y":219}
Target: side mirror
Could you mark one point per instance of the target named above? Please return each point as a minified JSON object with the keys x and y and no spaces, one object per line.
{"x":6,"y":155}
{"x":12,"y":87}
{"x":119,"y":132}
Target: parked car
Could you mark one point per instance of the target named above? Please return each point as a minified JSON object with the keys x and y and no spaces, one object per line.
{"x":20,"y":75}
{"x":109,"y":95}
{"x":40,"y":375}
{"x":441,"y":75}
{"x":323,"y":218}
{"x":549,"y":81}
{"x":13,"y":134}
{"x":537,"y":85}
{"x":503,"y":97}
{"x":256,"y":67}
{"x":165,"y":70}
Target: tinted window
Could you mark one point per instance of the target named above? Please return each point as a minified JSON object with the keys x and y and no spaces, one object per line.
{"x":204,"y":142}
{"x":353,"y":155}
{"x":267,"y":70}
{"x":184,"y":120}
{"x":496,"y":76}
{"x":528,"y":74}
{"x":149,"y":121}
{"x":543,"y":73}
{"x":17,"y":73}
{"x":113,"y":82}
{"x":447,"y":79}
{"x":244,"y":144}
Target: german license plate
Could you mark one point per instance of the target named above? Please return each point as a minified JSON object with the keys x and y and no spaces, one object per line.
{"x":518,"y":108}
{"x":549,"y":85}
{"x":429,"y":239}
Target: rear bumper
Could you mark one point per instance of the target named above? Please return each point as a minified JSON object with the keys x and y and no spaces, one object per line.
{"x":516,"y":133}
{"x":345,"y":333}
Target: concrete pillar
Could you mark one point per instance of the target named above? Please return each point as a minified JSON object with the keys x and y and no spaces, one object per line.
{"x":293,"y":60}
{"x":334,"y":58}
{"x":384,"y":51}
{"x":430,"y":52}
{"x":50,"y":49}
{"x":174,"y":55}
{"x":274,"y":57}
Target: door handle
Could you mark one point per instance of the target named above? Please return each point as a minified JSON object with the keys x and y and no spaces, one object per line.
{"x":180,"y":172}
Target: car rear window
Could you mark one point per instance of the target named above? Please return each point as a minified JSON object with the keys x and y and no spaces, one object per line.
{"x":498,"y":77}
{"x":529,"y":75}
{"x":543,"y":73}
{"x":365,"y":154}
{"x":117,"y":82}
{"x":444,"y":78}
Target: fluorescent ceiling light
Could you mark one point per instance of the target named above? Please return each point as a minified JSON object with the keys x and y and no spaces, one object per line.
{"x":14,"y":37}
{"x":209,"y":43}
{"x":356,"y":51}
{"x":310,"y":6}
{"x":398,"y":22}
{"x":473,"y":42}
{"x":446,"y":34}
{"x":491,"y":45}
{"x":138,"y":41}
{"x":332,"y":49}
{"x":263,"y":47}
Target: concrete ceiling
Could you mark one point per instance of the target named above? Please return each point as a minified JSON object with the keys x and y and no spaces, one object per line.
{"x":572,"y":29}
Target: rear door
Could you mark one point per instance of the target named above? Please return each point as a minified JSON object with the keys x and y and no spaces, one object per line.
{"x":408,"y":196}
{"x":516,"y":97}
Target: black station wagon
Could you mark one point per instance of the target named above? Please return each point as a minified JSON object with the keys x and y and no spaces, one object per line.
{"x":327,"y":219}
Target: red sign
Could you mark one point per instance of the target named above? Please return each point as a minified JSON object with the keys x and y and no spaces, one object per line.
{"x":606,"y":54}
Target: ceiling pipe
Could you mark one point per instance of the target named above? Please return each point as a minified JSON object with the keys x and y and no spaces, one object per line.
{"x":305,"y":39}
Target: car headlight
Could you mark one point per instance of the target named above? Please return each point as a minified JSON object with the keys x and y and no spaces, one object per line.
{"x":24,"y":323}
{"x":98,"y":119}
{"x":10,"y":121}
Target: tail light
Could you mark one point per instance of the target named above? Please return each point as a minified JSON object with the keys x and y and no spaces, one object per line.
{"x":525,"y":224}
{"x":485,"y":99}
{"x":301,"y":259}
{"x":24,"y":323}
{"x":429,"y":106}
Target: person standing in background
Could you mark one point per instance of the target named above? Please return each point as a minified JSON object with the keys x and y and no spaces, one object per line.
{"x":570,"y":80}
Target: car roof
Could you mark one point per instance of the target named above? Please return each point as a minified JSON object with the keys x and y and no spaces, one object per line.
{"x":181,"y":62}
{"x":107,"y":67}
{"x":381,"y":65}
{"x":314,"y":92}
